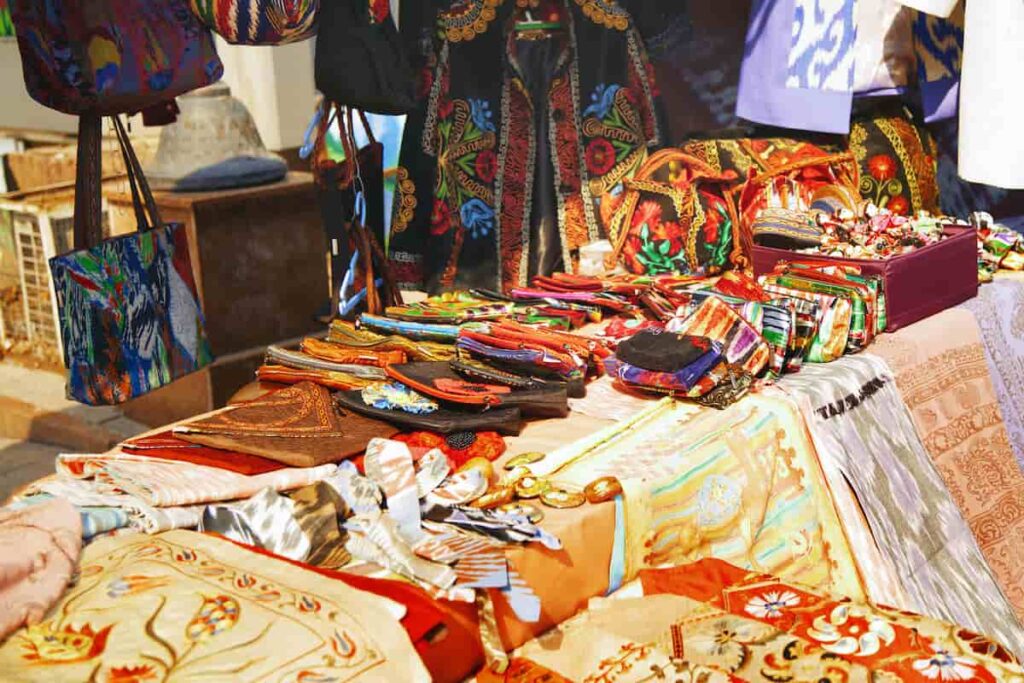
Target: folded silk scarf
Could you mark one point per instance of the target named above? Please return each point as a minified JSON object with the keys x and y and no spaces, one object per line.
{"x":299,"y":425}
{"x":170,"y":484}
{"x":167,"y":446}
{"x":39,"y":548}
{"x":302,"y":525}
{"x":999,"y":310}
{"x":857,"y":417}
{"x":96,"y":520}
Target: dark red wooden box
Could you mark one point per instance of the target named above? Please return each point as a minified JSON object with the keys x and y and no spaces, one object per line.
{"x":918,"y":284}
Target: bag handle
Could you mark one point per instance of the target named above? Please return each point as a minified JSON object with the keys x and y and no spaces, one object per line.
{"x":88,"y":221}
{"x":155,"y":221}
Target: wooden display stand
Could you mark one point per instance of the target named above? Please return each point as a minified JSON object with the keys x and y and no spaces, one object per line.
{"x":259,"y":259}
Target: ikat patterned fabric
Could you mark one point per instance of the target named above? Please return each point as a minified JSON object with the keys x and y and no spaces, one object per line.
{"x":129,"y":315}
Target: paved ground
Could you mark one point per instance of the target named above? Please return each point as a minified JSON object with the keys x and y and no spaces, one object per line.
{"x":22,"y":462}
{"x":37,"y":422}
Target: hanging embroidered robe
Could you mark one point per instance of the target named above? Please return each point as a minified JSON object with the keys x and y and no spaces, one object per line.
{"x":524,"y":133}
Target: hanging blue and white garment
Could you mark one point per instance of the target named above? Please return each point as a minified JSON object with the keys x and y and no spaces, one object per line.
{"x":822,"y":51}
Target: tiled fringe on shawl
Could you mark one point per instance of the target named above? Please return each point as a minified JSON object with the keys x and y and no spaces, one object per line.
{"x":856,"y":416}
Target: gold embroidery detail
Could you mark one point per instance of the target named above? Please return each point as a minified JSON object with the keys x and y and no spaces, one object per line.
{"x":607,"y":13}
{"x":465,"y":21}
{"x":405,"y":201}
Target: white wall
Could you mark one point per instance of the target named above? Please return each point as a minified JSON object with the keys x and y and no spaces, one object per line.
{"x":17,"y":109}
{"x":276,"y":83}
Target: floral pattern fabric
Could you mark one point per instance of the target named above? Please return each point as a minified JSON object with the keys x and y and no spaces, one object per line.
{"x":898,"y":162}
{"x":711,"y":621}
{"x":183,"y":606}
{"x":481,"y":127}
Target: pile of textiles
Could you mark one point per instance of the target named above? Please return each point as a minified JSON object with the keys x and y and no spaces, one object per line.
{"x":713,"y":621}
{"x":380,"y":452}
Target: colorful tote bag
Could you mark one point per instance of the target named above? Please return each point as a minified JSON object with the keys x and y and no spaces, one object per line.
{"x":675,"y":217}
{"x":130,"y":319}
{"x":259,"y":22}
{"x":112,"y":56}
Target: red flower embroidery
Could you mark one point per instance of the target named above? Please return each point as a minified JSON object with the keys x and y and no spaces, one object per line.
{"x":600,"y":156}
{"x":445,"y":108}
{"x":424,"y":82}
{"x":379,"y":10}
{"x":711,"y":225}
{"x":882,"y":167}
{"x":898,"y":205}
{"x":132,"y":674}
{"x":440,"y":218}
{"x":486,"y":165}
{"x":648,"y":212}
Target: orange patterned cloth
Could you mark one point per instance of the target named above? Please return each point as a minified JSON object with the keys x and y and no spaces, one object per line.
{"x":943,"y":377}
{"x":713,"y":622}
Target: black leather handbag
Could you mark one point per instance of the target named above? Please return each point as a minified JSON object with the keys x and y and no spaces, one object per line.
{"x":360,"y":60}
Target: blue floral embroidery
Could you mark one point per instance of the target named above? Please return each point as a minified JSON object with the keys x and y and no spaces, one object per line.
{"x":477,"y":217}
{"x":601,"y":100}
{"x":397,"y":396}
{"x":482,"y":115}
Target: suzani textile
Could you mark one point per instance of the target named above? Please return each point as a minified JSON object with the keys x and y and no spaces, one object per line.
{"x":710,"y":621}
{"x":129,"y":315}
{"x":859,"y":420}
{"x":184,"y":606}
{"x":530,"y":148}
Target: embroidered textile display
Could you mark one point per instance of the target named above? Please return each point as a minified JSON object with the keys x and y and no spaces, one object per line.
{"x":186,"y":605}
{"x":498,"y":109}
{"x":39,"y":547}
{"x":999,"y":310}
{"x":857,"y":417}
{"x":944,"y":380}
{"x":711,"y":621}
{"x":298,"y":425}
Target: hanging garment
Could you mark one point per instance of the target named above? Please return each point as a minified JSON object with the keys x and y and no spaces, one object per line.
{"x":804,"y":62}
{"x":482,"y":125}
{"x":765,"y":96}
{"x":856,"y":416}
{"x":991,"y":143}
